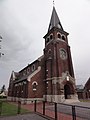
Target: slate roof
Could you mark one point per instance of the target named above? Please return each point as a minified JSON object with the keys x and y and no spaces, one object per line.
{"x":80,"y":88}
{"x":54,"y":22}
{"x":16,"y":75}
{"x":88,"y":83}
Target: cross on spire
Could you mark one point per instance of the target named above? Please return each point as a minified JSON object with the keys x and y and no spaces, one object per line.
{"x":53,"y":3}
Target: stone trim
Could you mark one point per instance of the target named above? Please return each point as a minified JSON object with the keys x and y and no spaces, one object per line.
{"x":35,"y":72}
{"x":60,"y":79}
{"x":24,"y":100}
{"x":60,"y":98}
{"x":54,"y":98}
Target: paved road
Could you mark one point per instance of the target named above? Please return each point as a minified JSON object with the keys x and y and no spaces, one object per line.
{"x":82,"y":109}
{"x":84,"y":104}
{"x":24,"y":117}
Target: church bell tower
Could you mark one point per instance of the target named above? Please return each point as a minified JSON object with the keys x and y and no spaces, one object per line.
{"x":59,"y":73}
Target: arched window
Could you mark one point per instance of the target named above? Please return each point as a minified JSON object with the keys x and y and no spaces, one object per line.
{"x":33,"y":67}
{"x":51,"y":37}
{"x":63,"y":37}
{"x":28,"y":70}
{"x":59,"y":36}
{"x":34,"y":85}
{"x":47,"y":39}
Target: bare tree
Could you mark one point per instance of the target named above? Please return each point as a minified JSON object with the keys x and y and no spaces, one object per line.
{"x":3,"y":89}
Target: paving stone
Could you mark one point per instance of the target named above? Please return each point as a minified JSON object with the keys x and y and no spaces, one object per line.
{"x":24,"y":117}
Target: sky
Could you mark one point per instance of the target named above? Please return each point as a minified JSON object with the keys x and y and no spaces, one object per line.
{"x":23,"y":23}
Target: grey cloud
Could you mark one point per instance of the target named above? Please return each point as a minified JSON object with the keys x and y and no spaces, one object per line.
{"x":15,"y":38}
{"x":23,"y":24}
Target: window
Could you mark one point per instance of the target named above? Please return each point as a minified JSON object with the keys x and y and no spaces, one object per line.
{"x":47,"y":40}
{"x":51,"y":37}
{"x":28,"y":70}
{"x":34,"y":85}
{"x":24,"y":72}
{"x":33,"y":67}
{"x":63,"y":37}
{"x":59,"y":36}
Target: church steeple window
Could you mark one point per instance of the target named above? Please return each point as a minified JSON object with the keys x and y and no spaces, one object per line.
{"x":51,"y":37}
{"x":59,"y":36}
{"x":48,"y":39}
{"x":63,"y":37}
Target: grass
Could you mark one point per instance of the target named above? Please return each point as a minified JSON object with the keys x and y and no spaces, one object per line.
{"x":11,"y":109}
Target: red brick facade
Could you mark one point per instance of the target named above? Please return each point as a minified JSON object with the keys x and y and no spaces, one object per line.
{"x":84,"y":92}
{"x":50,"y":77}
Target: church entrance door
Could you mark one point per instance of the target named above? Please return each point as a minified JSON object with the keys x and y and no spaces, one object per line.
{"x":67,"y":91}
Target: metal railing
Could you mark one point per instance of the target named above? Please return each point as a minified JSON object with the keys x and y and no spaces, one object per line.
{"x":56,"y":111}
{"x":60,"y":111}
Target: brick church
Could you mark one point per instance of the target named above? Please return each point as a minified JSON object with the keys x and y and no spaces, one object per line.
{"x":51,"y":76}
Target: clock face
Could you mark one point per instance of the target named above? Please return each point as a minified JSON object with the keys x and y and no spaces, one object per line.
{"x":63,"y":54}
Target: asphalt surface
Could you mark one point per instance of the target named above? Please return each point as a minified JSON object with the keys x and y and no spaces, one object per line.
{"x":82,"y":109}
{"x":31,"y":116}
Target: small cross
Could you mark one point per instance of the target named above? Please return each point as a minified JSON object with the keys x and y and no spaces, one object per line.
{"x":53,"y":3}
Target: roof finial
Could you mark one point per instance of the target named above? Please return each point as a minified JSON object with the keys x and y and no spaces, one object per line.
{"x":53,"y":3}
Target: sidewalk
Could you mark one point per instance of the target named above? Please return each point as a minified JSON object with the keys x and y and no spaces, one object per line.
{"x":30,"y":116}
{"x":62,"y":113}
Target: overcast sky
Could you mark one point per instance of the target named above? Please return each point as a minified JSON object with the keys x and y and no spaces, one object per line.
{"x":23,"y":23}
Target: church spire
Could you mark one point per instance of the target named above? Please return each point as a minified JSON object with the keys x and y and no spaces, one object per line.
{"x":54,"y":22}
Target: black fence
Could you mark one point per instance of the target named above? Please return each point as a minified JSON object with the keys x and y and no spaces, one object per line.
{"x":56,"y":111}
{"x":60,"y":111}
